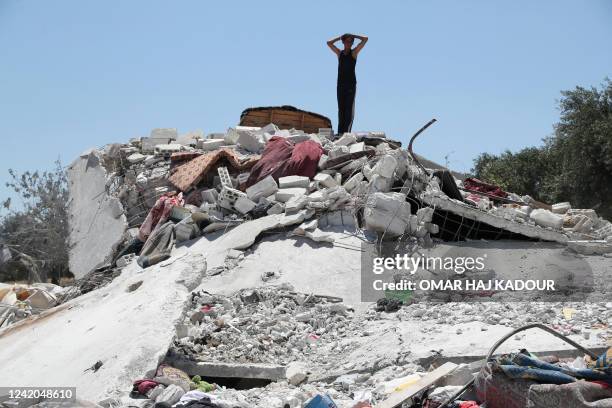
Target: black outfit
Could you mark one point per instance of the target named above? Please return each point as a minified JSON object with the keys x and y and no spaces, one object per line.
{"x":346,"y":89}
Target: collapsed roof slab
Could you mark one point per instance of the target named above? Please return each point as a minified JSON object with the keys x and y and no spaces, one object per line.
{"x":126,"y":326}
{"x":471,"y":213}
{"x":96,"y":220}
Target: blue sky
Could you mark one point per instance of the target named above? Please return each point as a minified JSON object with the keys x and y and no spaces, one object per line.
{"x":77,"y":74}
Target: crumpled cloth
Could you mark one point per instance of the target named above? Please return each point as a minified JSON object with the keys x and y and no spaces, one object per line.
{"x":158,"y":247}
{"x":144,"y":386}
{"x":204,"y":402}
{"x":282,"y":158}
{"x":522,"y":365}
{"x":478,"y":185}
{"x":159,"y":214}
{"x":580,"y":394}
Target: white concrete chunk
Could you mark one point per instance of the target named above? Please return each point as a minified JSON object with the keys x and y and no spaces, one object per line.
{"x":210,"y":195}
{"x":346,"y":139}
{"x":357,"y":147}
{"x":250,"y":141}
{"x":325,"y":180}
{"x":277,"y":208}
{"x":210,"y":144}
{"x":293,"y":181}
{"x":352,"y":182}
{"x":244,"y":205}
{"x":387,"y":212}
{"x":561,"y":208}
{"x":262,"y":188}
{"x":286,"y":194}
{"x":136,"y":158}
{"x":545,"y":218}
{"x":386,"y":166}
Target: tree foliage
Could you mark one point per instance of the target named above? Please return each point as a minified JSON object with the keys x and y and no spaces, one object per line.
{"x":574,"y":164}
{"x":38,"y":225}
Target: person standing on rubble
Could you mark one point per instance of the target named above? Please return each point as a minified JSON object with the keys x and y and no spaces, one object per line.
{"x":347,"y":82}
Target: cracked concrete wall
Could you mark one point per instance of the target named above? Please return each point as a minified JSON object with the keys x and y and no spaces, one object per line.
{"x":97,"y":222}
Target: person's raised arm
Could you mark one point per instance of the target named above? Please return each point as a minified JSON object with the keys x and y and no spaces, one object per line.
{"x":362,"y":42}
{"x":331,"y":44}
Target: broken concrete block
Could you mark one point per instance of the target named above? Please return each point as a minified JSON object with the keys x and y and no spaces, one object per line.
{"x":243,"y":205}
{"x":277,"y":208}
{"x":296,"y":373}
{"x":380,"y":184}
{"x":322,"y":161}
{"x":561,"y":208}
{"x":286,"y":194}
{"x":136,"y":158}
{"x":337,"y":218}
{"x":317,"y":196}
{"x":168,"y":149}
{"x":250,"y":141}
{"x":346,"y":139}
{"x":210,"y":195}
{"x":583,"y":225}
{"x":352,"y":182}
{"x":545,"y":218}
{"x":386,"y":166}
{"x":228,"y":196}
{"x":325,"y":180}
{"x":338,"y":178}
{"x":150,"y":160}
{"x":295,"y":204}
{"x":306,"y":226}
{"x":224,"y":177}
{"x":338,"y":151}
{"x":583,"y":211}
{"x":270,"y":128}
{"x":319,"y":236}
{"x":210,"y":144}
{"x":171,"y":395}
{"x":262,"y":188}
{"x":125,"y":260}
{"x":357,"y":147}
{"x":387,"y":212}
{"x":293,"y":181}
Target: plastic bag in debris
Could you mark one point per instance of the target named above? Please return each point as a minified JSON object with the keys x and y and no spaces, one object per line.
{"x":282,"y":158}
{"x":321,"y":401}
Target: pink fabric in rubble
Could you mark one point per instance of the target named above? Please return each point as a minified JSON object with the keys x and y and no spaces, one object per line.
{"x":158,"y":215}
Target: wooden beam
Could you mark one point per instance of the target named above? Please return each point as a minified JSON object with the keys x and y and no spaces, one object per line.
{"x":397,"y":398}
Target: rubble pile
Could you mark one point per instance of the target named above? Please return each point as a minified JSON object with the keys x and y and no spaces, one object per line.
{"x":264,"y":325}
{"x":568,"y":318}
{"x":246,"y":173}
{"x":19,"y":301}
{"x":137,"y":209}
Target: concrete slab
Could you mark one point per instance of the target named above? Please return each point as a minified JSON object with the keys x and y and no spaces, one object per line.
{"x":128,"y":331}
{"x":95,"y":228}
{"x":528,"y":230}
